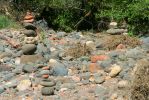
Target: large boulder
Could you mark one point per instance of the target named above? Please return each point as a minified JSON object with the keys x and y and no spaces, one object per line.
{"x":29,"y":49}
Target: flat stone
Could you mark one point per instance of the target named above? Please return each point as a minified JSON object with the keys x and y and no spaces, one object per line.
{"x":31,"y":59}
{"x":29,"y":48}
{"x":29,"y":26}
{"x":47,"y":83}
{"x":115,"y":31}
{"x":47,"y":91}
{"x":29,"y":33}
{"x":29,"y":68}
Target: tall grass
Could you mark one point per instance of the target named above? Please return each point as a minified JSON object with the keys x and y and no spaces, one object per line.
{"x":6,"y":22}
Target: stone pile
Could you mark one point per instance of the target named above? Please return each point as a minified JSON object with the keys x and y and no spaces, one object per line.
{"x":114,"y":30}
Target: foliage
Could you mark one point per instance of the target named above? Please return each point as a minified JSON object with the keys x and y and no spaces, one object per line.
{"x":135,"y":12}
{"x":67,"y":13}
{"x":6,"y":22}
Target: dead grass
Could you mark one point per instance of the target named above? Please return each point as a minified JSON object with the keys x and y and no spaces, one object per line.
{"x":140,"y":84}
{"x":111,"y":42}
{"x":78,"y":50}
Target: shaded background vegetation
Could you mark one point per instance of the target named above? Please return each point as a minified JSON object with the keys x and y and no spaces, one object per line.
{"x":66,"y":14}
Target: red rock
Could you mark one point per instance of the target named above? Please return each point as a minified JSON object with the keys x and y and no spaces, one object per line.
{"x":46,"y":68}
{"x":45,"y":76}
{"x":93,"y":67}
{"x":121,"y":46}
{"x":28,"y":17}
{"x":96,"y":58}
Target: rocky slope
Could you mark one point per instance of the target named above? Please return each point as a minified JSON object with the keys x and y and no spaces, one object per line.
{"x":68,"y":66}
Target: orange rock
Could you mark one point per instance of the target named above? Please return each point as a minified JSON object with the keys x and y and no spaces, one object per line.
{"x":93,"y":67}
{"x":45,"y":76}
{"x":94,"y":59}
{"x":28,"y":17}
{"x":46,"y":68}
{"x":120,"y":46}
{"x":29,"y":21}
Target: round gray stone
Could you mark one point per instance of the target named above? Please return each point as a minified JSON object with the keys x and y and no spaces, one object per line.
{"x":59,"y":70}
{"x":47,"y":83}
{"x":29,"y":68}
{"x":29,"y":26}
{"x":29,"y":33}
{"x":29,"y":48}
{"x":47,"y":91}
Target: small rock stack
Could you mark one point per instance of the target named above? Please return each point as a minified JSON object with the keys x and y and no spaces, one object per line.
{"x":30,"y":33}
{"x":48,"y":86}
{"x":114,"y":30}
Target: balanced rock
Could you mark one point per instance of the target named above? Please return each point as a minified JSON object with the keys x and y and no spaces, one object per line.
{"x":47,"y":90}
{"x":29,"y":32}
{"x":48,"y":83}
{"x":29,"y":48}
{"x":29,"y":26}
{"x":115,"y":31}
{"x":29,"y":68}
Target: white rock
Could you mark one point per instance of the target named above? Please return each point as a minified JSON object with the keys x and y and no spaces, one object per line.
{"x":91,"y":45}
{"x":123,"y":84}
{"x":24,"y":85}
{"x":52,"y":62}
{"x":115,"y":70}
{"x":17,"y":61}
{"x":113,"y":24}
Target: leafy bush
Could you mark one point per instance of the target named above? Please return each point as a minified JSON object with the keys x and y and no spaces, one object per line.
{"x":5,"y":22}
{"x":67,"y":13}
{"x":134,"y":12}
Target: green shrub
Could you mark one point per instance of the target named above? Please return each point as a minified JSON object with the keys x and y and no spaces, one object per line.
{"x":134,"y":12}
{"x":5,"y":22}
